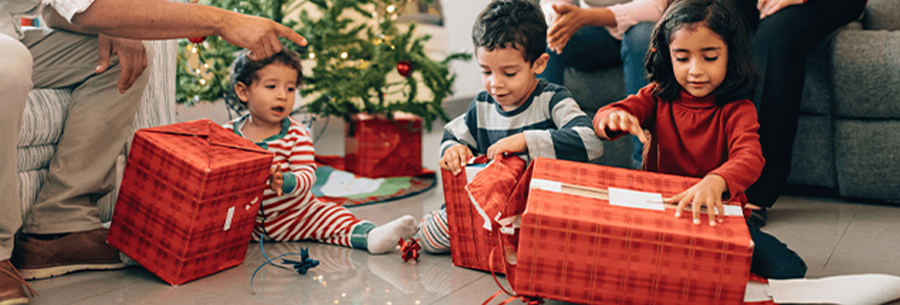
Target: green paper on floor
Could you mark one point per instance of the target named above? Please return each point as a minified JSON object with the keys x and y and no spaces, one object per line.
{"x":344,"y":188}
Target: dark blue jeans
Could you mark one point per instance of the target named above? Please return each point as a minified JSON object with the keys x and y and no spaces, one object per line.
{"x":772,"y":259}
{"x":593,"y":48}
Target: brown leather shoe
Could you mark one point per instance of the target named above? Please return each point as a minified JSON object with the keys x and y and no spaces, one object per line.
{"x":43,"y":258}
{"x":11,"y":283}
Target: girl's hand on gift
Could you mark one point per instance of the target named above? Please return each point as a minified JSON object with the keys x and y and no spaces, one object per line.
{"x":511,"y":144}
{"x":620,"y":121}
{"x":455,"y":158}
{"x":276,"y":180}
{"x":708,"y":192}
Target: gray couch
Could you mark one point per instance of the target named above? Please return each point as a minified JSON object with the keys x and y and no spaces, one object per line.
{"x":848,"y":137}
{"x":44,"y":117}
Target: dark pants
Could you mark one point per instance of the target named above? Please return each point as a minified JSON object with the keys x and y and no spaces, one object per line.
{"x":772,"y":259}
{"x":781,"y":43}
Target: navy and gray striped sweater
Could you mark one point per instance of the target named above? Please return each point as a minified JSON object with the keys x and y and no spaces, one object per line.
{"x":554,"y":126}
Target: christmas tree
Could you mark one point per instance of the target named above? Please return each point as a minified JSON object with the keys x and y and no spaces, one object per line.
{"x":361,"y":59}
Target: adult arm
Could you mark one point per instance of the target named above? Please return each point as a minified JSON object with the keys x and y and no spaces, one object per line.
{"x":160,"y":19}
{"x":566,"y":19}
{"x":768,"y":7}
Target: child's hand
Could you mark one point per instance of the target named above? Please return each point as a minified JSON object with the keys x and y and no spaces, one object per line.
{"x":455,"y":158}
{"x":619,"y":120}
{"x":706,"y":192}
{"x":513,"y":144}
{"x":276,"y":179}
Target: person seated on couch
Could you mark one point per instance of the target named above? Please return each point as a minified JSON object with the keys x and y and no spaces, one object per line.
{"x":598,"y":36}
{"x":90,"y":48}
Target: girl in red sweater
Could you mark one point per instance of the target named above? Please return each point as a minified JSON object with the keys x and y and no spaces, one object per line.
{"x":699,"y":120}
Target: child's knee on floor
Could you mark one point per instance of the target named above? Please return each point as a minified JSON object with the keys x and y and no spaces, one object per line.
{"x":772,"y":259}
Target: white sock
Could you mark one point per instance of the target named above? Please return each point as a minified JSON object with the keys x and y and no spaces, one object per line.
{"x":384,"y":238}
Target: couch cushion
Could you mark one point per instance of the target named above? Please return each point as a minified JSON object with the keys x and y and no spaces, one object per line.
{"x":866,"y":74}
{"x":34,"y":157}
{"x":867,"y":154}
{"x":29,"y":185}
{"x":42,"y":120}
{"x":592,"y":90}
{"x":882,"y":15}
{"x":812,"y":161}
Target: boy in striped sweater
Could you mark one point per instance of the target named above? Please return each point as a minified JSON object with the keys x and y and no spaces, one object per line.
{"x":517,"y":112}
{"x":289,"y":211}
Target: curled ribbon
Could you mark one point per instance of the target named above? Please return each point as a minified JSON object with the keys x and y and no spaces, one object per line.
{"x":410,"y":249}
{"x":304,"y":264}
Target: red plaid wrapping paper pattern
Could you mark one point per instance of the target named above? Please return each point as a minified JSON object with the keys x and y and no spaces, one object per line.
{"x":470,"y":244}
{"x":378,"y":147}
{"x":189,"y":199}
{"x":580,"y":249}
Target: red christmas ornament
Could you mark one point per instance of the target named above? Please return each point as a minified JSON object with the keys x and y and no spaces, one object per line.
{"x":405,"y":68}
{"x":196,"y":39}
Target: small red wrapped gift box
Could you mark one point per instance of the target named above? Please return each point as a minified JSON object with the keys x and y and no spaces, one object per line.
{"x":188,"y":200}
{"x":583,"y":235}
{"x":376,"y":146}
{"x":470,"y":243}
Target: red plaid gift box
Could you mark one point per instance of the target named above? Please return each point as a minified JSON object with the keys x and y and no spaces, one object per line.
{"x":471,"y":245}
{"x":376,"y":146}
{"x":189,"y":198}
{"x":583,"y":237}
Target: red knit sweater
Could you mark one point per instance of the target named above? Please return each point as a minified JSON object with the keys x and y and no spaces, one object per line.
{"x":694,"y":137}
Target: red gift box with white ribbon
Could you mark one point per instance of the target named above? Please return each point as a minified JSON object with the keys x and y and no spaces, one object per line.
{"x":189,"y":199}
{"x":587,"y":233}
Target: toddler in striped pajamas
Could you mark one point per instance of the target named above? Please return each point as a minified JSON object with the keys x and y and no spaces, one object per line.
{"x":289,"y":211}
{"x":517,"y":112}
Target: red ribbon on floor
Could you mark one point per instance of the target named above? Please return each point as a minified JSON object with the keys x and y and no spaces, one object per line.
{"x":410,"y":249}
{"x":525,"y":299}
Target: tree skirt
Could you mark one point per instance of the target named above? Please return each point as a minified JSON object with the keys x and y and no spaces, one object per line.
{"x":333,"y":184}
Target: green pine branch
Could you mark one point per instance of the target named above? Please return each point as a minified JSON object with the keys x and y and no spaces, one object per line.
{"x":353,"y":56}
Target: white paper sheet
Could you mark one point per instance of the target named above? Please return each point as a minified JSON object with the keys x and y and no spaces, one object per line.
{"x":342,"y":184}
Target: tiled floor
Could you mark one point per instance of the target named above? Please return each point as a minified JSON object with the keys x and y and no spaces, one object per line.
{"x":834,"y":237}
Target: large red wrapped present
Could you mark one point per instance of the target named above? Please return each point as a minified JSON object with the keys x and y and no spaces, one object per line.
{"x":188,"y":200}
{"x":586,"y":233}
{"x":376,"y":146}
{"x":470,"y":244}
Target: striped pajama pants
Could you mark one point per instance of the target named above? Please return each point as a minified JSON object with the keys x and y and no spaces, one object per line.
{"x":314,"y":220}
{"x":434,"y":234}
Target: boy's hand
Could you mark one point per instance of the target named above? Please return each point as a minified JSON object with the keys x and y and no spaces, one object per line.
{"x":619,"y":120}
{"x":706,"y":192}
{"x":455,"y":158}
{"x":513,"y":144}
{"x":276,"y":180}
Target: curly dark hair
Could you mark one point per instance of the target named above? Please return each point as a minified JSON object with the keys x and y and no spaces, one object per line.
{"x":512,"y":23}
{"x":720,"y":16}
{"x":244,"y":69}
